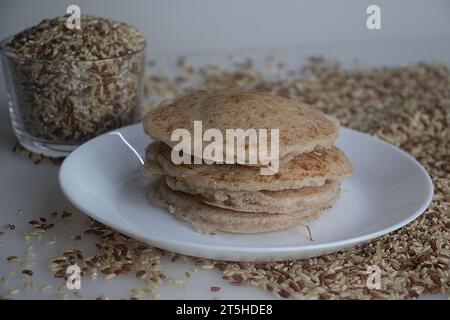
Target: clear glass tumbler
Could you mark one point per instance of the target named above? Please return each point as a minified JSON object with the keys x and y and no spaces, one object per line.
{"x":55,"y":105}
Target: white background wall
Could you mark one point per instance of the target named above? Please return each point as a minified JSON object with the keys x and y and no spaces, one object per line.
{"x":412,"y":30}
{"x":175,"y":26}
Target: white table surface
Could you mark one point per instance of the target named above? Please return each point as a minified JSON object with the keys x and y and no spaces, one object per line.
{"x":34,"y":189}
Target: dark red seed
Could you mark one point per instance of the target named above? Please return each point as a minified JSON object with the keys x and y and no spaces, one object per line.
{"x":107,"y":271}
{"x":284,"y":293}
{"x":27,"y":272}
{"x":140,"y":273}
{"x":127,"y":266}
{"x":66,"y":214}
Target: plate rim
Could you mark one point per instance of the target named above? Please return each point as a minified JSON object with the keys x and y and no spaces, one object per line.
{"x":220,"y":248}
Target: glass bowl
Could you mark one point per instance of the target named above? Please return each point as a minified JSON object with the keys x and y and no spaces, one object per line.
{"x":56,"y":105}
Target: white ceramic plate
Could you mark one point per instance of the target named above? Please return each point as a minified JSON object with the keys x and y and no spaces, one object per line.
{"x":387,"y":190}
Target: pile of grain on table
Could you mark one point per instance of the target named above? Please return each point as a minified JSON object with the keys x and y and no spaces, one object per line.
{"x":407,"y":106}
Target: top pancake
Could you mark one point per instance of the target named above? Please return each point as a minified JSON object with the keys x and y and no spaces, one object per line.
{"x":302,"y":127}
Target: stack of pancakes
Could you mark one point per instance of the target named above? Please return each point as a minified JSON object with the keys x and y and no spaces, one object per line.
{"x":234,"y":197}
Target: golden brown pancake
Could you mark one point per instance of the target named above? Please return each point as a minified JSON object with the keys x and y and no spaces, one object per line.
{"x":302,"y":128}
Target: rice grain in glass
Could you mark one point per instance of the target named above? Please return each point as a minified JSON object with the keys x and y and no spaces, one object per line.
{"x":56,"y":105}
